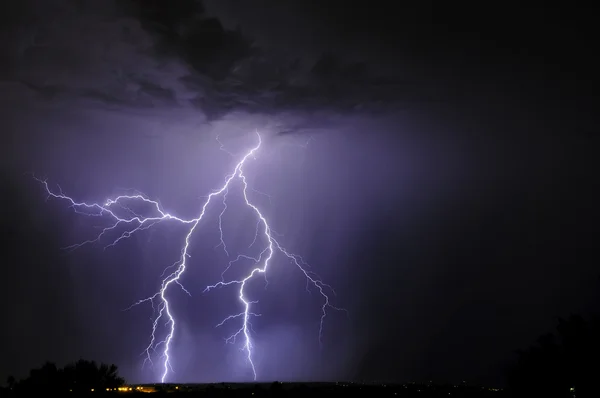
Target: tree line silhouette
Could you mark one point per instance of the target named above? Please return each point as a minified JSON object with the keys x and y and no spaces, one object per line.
{"x":562,"y":364}
{"x":81,"y":376}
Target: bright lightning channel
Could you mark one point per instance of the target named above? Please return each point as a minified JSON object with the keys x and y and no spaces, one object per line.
{"x":123,"y":216}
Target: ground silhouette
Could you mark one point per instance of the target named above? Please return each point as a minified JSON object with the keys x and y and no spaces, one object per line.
{"x":81,"y":376}
{"x":562,"y":364}
{"x":559,"y":365}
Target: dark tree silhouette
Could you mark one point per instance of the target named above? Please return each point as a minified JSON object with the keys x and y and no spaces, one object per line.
{"x":10,"y":382}
{"x":564,"y":364}
{"x":276,"y":389}
{"x":76,"y":377}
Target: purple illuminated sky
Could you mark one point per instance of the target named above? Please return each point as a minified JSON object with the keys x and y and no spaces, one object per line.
{"x":446,"y":191}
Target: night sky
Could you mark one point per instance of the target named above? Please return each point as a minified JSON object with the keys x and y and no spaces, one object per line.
{"x":433,"y":163}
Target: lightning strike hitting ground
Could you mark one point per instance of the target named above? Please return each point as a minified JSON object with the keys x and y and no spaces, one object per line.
{"x":124,"y":217}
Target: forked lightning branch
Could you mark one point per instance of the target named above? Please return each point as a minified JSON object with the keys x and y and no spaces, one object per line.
{"x":125,"y":223}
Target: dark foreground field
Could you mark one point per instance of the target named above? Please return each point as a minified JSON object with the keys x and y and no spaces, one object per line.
{"x":294,"y":390}
{"x":303,"y":389}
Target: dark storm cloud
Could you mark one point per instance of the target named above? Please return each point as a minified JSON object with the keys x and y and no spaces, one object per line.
{"x":157,"y":54}
{"x":236,"y":70}
{"x":268,"y":57}
{"x":65,"y":50}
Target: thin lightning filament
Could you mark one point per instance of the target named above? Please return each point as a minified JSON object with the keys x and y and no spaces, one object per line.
{"x":119,"y":211}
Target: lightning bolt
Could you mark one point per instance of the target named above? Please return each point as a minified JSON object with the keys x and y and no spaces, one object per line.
{"x":118,"y":210}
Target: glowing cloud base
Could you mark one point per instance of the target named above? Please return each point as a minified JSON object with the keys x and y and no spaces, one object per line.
{"x":132,"y":223}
